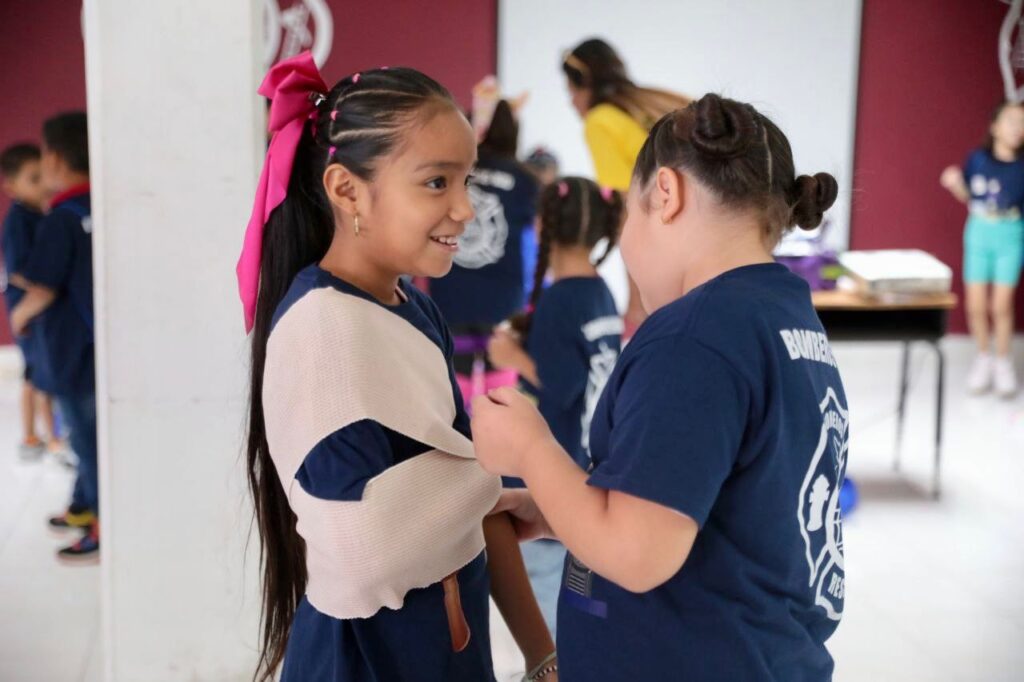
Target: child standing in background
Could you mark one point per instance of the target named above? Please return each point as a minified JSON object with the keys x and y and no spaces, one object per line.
{"x":58,"y":299}
{"x":566,"y":348}
{"x":991,"y":183}
{"x":485,"y":286}
{"x":23,"y":183}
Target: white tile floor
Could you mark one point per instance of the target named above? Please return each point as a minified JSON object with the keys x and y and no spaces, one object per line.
{"x":935,"y":588}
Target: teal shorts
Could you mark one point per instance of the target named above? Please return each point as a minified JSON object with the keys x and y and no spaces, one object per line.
{"x":993,"y":250}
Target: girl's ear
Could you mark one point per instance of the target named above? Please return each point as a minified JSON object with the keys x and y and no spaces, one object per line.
{"x":341,"y":187}
{"x":667,"y":194}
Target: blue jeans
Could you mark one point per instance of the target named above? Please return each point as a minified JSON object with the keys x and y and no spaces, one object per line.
{"x":545,"y":560}
{"x":79,"y":414}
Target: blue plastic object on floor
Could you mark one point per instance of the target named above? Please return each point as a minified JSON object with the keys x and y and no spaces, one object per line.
{"x":848,"y":496}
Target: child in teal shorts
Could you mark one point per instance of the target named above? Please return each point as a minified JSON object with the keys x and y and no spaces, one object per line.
{"x":991,"y":183}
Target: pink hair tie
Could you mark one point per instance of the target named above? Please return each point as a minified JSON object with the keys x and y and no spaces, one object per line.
{"x":606,"y":194}
{"x":334,"y":114}
{"x":563,"y":189}
{"x":330,"y":152}
{"x":289,"y":85}
{"x":355,"y":79}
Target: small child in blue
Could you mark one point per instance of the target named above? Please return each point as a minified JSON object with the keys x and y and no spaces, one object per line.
{"x":22,"y":182}
{"x":485,"y":285}
{"x":706,"y":541}
{"x":991,"y":183}
{"x":375,"y":173}
{"x":565,"y":349}
{"x":58,"y":303}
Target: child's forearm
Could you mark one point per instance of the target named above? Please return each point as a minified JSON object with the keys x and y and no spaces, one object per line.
{"x":527,"y":368}
{"x":512,"y":593}
{"x":34,"y":303}
{"x":634,"y":543}
{"x":19,"y":281}
{"x":959,"y":192}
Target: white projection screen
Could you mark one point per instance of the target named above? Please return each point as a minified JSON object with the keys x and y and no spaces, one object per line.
{"x":796,"y":60}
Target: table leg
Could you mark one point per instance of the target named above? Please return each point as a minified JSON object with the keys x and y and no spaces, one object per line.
{"x":939,"y":389}
{"x":901,"y":407}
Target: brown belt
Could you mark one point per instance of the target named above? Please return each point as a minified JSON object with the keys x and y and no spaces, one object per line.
{"x":457,"y":625}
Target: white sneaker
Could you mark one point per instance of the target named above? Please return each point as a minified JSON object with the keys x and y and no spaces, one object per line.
{"x":1005,"y":377}
{"x":979,"y":379}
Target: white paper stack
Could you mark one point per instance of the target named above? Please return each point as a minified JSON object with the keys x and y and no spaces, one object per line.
{"x":903,"y":271}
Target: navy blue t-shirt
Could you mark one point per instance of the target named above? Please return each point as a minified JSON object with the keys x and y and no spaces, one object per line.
{"x":412,"y":643}
{"x":485,"y":285}
{"x":61,"y":260}
{"x":19,"y":232}
{"x":996,"y":187}
{"x":726,"y":406}
{"x":575,"y":339}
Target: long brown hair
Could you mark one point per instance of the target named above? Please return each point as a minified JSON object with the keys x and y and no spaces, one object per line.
{"x":362,"y":120}
{"x":743,"y":158}
{"x":594,"y":64}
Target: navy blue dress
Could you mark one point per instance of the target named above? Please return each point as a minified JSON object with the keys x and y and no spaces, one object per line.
{"x":412,"y":643}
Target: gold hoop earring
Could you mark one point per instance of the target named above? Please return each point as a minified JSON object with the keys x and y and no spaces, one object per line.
{"x":357,"y":224}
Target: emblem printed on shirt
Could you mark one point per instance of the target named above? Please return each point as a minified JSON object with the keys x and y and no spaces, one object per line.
{"x":290,"y":28}
{"x":483,"y":242}
{"x":818,"y":513}
{"x":601,"y":365}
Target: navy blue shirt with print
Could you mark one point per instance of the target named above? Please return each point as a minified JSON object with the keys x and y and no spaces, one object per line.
{"x":485,"y":285}
{"x":412,"y":643}
{"x":19,"y":232}
{"x":575,"y":338}
{"x":61,"y":260}
{"x":996,"y":187}
{"x":727,"y":407}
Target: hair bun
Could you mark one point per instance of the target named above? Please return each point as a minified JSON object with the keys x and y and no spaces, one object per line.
{"x":722,"y":128}
{"x":814,"y":196}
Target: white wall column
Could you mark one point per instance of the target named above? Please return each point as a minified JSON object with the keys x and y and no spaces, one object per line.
{"x":175,"y":139}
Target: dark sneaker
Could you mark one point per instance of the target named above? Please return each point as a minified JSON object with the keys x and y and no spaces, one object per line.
{"x":85,"y":551}
{"x":73,"y":519}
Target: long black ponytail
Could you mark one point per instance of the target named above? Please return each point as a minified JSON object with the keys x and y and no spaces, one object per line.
{"x":361,"y":121}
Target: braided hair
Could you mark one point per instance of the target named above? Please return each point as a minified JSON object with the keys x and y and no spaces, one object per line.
{"x":574,"y":211}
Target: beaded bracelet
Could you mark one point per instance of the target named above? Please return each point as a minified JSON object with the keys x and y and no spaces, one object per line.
{"x":544,"y":668}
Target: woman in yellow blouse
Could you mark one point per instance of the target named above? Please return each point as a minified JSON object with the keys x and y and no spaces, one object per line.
{"x":617,"y":115}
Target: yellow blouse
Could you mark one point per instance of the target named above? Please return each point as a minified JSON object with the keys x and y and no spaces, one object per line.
{"x":614,"y":139}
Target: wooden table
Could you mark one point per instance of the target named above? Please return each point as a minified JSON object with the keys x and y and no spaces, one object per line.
{"x":849,"y":316}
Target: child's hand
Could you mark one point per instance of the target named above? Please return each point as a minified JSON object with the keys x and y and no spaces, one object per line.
{"x":507,"y":429}
{"x":503,"y":348}
{"x":19,"y":321}
{"x":527,"y":520}
{"x":951,"y":177}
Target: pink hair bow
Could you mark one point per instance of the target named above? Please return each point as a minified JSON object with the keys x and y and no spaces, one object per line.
{"x":292,"y":86}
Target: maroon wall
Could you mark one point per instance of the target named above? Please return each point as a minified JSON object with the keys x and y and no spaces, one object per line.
{"x":43,"y":59}
{"x":929,"y":80}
